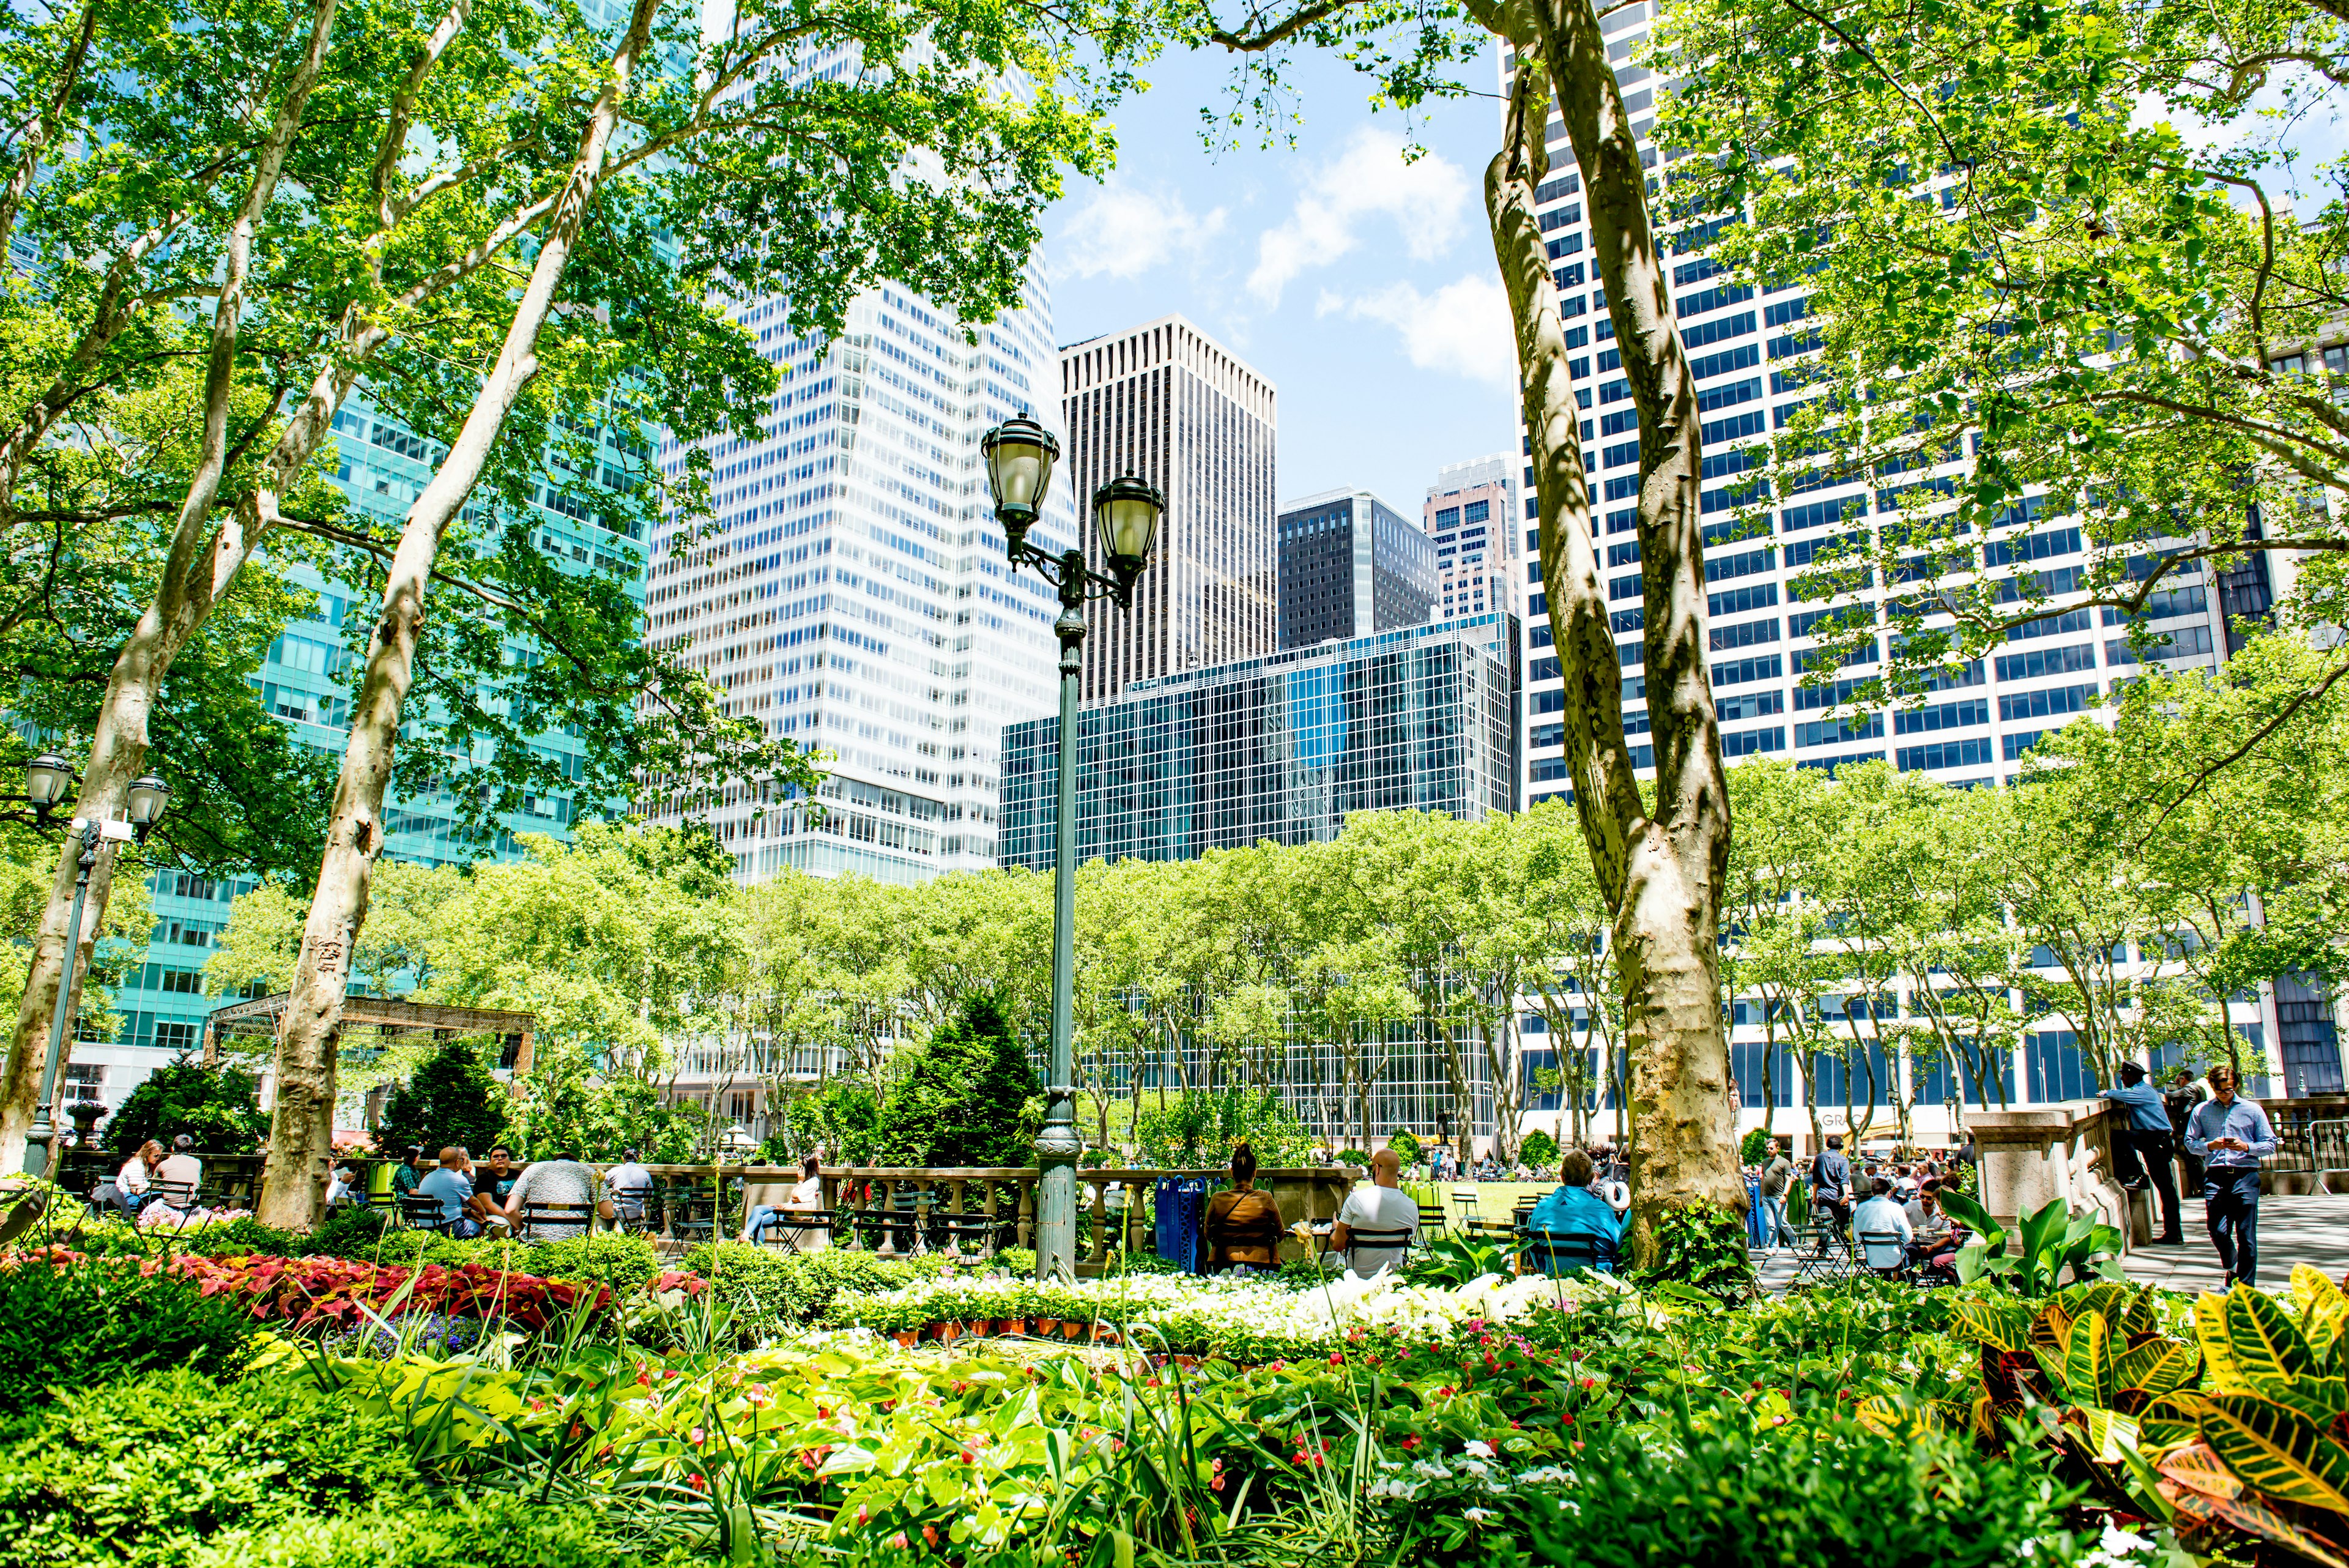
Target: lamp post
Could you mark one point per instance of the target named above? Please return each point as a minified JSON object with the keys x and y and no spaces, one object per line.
{"x":1019,"y":457}
{"x":46,"y":779}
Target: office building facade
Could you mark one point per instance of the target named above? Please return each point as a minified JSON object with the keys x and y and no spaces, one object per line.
{"x":1279,"y":748}
{"x":1168,"y":404}
{"x":1350,"y":566}
{"x":1471,"y":514}
{"x":852,"y":590}
{"x":1748,"y":349}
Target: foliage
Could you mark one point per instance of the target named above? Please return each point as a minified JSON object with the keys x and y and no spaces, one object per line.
{"x":217,"y":1106}
{"x":968,"y":1097}
{"x":839,"y":1117}
{"x":1539,"y":1151}
{"x":1454,"y":1261}
{"x":1199,"y":1127}
{"x":82,"y":1324}
{"x":1829,"y":1491}
{"x":142,"y":1473}
{"x":498,"y":1528}
{"x":1355,"y":1157}
{"x":2049,"y":1243}
{"x":2097,"y":1352}
{"x":351,"y":1232}
{"x":1702,"y":1250}
{"x":620,"y":1263}
{"x":1753,"y":1145}
{"x":243,"y":1237}
{"x":1404,"y":1143}
{"x":451,"y":1099}
{"x":770,"y":1290}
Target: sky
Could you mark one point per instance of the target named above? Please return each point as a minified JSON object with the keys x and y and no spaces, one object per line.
{"x":1363,"y":287}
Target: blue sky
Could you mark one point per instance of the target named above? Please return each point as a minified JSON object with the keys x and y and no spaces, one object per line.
{"x":1364,"y":287}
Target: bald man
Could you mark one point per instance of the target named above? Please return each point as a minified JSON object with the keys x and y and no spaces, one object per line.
{"x":1381,"y":1206}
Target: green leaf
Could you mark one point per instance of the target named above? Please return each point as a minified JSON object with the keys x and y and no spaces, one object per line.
{"x":2157,"y":1367}
{"x":2269,"y":1351}
{"x":2275,"y":1450}
{"x":2088,"y":1362}
{"x":1998,"y":1321}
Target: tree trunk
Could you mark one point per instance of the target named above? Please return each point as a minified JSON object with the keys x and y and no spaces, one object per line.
{"x":1662,"y":871}
{"x":301,"y":1130}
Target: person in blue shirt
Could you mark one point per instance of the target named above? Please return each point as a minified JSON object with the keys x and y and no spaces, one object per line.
{"x":1575,"y":1210}
{"x":2230,"y":1136}
{"x":2142,"y":1140}
{"x":450,"y":1184}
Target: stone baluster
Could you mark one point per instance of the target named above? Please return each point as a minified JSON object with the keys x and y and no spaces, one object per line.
{"x":1134,"y":1189}
{"x":885,"y":1194}
{"x":1099,"y":1249}
{"x":1027,"y":1213}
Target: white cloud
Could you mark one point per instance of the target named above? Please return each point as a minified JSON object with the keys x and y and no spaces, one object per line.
{"x":1124,"y":231}
{"x":1368,"y":179}
{"x":1462,"y":328}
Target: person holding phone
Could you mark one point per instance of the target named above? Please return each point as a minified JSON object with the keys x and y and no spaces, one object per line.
{"x":2230,"y":1136}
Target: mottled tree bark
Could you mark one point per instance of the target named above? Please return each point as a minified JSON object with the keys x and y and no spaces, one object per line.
{"x":301,"y":1130}
{"x":1662,"y":870}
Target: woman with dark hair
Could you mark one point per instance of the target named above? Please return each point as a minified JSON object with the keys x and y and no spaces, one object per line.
{"x":1243,"y":1225}
{"x":806,"y":1196}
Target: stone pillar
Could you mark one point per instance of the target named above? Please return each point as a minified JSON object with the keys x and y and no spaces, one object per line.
{"x":2047,"y":1152}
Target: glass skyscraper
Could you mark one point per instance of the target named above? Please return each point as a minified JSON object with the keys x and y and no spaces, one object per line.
{"x":306,"y":682}
{"x":1350,"y":565}
{"x":1280,"y":748}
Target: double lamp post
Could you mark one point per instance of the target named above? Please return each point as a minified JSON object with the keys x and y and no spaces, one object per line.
{"x":46,"y":779}
{"x":1019,"y":457}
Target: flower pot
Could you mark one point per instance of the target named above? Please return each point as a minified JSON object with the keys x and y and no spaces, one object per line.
{"x":905,"y":1338}
{"x":1072,"y":1329}
{"x":948,"y":1332}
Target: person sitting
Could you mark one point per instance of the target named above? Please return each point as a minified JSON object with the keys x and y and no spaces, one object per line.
{"x":806,"y":1196}
{"x":1880,"y":1213}
{"x":1382,"y":1205}
{"x":342,"y":1187}
{"x":1574,"y":1210}
{"x":447,"y":1185}
{"x":130,"y":1189}
{"x":182,"y":1167}
{"x":492,"y":1183}
{"x":407,"y":1172}
{"x":1243,"y":1226}
{"x":1927,"y":1218}
{"x":562,"y":1180}
{"x":629,"y":1186}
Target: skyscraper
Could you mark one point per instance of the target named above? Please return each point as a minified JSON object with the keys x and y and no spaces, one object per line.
{"x":1350,"y":565}
{"x":1282,"y":747}
{"x":853,"y":592}
{"x":1171,"y":405}
{"x":1472,"y":514}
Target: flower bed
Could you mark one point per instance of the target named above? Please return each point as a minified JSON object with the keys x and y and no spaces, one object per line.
{"x":1244,"y":1319}
{"x":311,"y":1292}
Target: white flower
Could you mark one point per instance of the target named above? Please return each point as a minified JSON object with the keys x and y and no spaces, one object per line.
{"x":1481,"y":1448}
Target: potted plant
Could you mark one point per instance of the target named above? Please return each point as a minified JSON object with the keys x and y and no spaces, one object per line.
{"x":85,"y":1115}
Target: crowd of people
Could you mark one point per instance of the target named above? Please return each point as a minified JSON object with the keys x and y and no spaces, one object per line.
{"x":476,"y":1200}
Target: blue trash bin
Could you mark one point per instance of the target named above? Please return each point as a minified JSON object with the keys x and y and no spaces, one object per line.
{"x":1177,"y":1201}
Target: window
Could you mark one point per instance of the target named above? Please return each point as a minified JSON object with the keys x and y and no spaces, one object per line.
{"x":1836,"y":731}
{"x":2053,"y":702}
{"x":2046,"y":662}
{"x":1476,"y":511}
{"x":1964,"y":715}
{"x":1967,"y":753}
{"x":1750,"y":742}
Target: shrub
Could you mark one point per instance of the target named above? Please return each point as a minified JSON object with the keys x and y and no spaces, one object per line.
{"x":1353,"y":1157}
{"x":246,"y":1237}
{"x":963,"y":1100}
{"x":450,"y":1099}
{"x":92,"y":1323}
{"x":1751,"y":1146}
{"x":1704,"y":1249}
{"x":494,"y":1528}
{"x":769,"y":1288}
{"x":1539,"y":1151}
{"x":625,"y":1264}
{"x":143,"y":1471}
{"x":217,"y":1106}
{"x":349,"y":1233}
{"x":1826,"y":1494}
{"x":1404,"y":1142}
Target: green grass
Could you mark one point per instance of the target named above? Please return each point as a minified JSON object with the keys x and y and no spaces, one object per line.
{"x":1495,"y":1199}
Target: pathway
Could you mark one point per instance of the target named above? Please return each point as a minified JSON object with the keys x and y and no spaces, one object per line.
{"x":2311,"y":1230}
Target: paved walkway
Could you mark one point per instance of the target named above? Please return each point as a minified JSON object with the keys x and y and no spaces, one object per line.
{"x":2312,"y":1230}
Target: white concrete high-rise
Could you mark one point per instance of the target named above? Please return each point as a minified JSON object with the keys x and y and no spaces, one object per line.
{"x":853,"y":593}
{"x":1169,"y":404}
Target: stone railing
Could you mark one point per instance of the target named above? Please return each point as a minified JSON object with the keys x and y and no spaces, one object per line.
{"x":2029,"y":1157}
{"x":889,"y":1205}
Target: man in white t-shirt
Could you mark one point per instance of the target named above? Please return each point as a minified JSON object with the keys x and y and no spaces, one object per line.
{"x":1381,"y":1206}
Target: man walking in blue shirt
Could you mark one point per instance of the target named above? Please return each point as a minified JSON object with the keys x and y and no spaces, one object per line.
{"x":2229,"y":1136}
{"x":2144,"y":1134}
